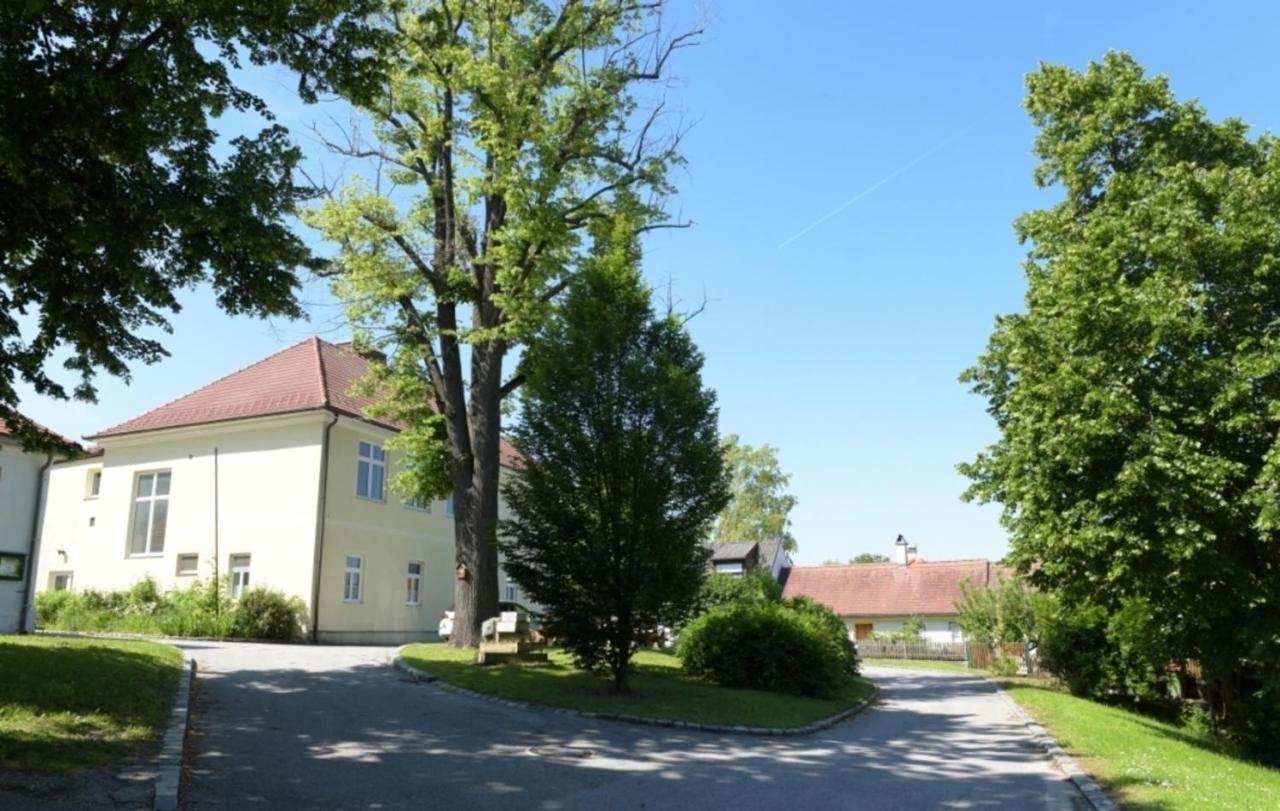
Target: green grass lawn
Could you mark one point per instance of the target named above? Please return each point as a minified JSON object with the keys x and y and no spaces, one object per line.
{"x":659,"y":690}
{"x":82,"y":702}
{"x":1144,"y":763}
{"x":924,"y":664}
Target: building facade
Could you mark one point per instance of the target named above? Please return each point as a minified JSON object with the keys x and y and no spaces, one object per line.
{"x":272,"y":476}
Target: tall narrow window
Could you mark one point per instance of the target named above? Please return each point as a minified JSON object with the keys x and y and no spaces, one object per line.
{"x":353,"y":581}
{"x":94,"y":484}
{"x":239,"y":575}
{"x":419,"y":503}
{"x":512,"y":594}
{"x":413,"y":584}
{"x":371,"y":471}
{"x":448,"y":507}
{"x":150,"y":514}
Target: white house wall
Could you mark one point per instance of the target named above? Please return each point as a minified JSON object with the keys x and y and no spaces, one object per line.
{"x":19,"y":478}
{"x":936,"y":629}
{"x":267,"y":491}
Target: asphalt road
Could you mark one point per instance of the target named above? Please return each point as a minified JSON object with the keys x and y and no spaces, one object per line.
{"x":329,"y":727}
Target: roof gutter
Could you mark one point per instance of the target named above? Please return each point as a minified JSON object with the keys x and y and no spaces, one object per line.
{"x":320,"y":522}
{"x":29,"y":576}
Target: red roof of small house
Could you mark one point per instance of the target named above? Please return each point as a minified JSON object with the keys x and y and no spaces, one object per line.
{"x":307,"y":376}
{"x":920,"y":588}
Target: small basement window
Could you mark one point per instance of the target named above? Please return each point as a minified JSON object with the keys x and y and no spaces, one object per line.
{"x":187,"y":564}
{"x":60,"y":581}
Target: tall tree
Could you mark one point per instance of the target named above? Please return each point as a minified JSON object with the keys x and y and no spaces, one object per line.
{"x":1138,"y":462}
{"x":505,"y":129}
{"x":760,"y":507}
{"x":623,"y":473}
{"x":113,"y":195}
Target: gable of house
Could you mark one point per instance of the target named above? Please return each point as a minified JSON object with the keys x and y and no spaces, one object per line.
{"x":917,"y":589}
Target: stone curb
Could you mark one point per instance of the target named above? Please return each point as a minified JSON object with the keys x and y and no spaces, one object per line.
{"x":419,"y":675}
{"x":169,"y":762}
{"x":1086,"y":784}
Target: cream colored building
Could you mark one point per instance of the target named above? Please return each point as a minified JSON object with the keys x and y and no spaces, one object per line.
{"x":270,"y":476}
{"x":21,"y":481}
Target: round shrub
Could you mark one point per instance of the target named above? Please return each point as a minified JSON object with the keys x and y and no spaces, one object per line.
{"x":831,"y":627}
{"x":263,"y":613}
{"x":764,"y":646}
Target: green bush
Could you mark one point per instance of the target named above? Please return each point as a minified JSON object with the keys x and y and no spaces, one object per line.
{"x":201,"y":609}
{"x":268,"y":614}
{"x":756,"y":586}
{"x":832,"y":627}
{"x":1004,"y":666}
{"x":765,"y":646}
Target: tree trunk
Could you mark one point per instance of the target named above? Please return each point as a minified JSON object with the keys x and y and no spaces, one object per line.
{"x":475,"y":500}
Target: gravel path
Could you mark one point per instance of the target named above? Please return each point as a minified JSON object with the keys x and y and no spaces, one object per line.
{"x":331,"y":727}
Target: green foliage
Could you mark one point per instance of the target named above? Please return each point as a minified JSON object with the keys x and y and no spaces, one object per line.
{"x":201,"y":609}
{"x":503,"y":131}
{"x":756,"y":586}
{"x":832,"y":628}
{"x":1003,"y":665}
{"x":764,"y":646}
{"x":623,"y":473}
{"x":760,"y":506}
{"x":1138,"y":463}
{"x":116,"y":192}
{"x":911,"y":630}
{"x":999,"y":614}
{"x":869,"y":557}
{"x":262,"y":613}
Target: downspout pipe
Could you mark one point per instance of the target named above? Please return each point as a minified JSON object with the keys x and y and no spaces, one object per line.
{"x":320,"y":522}
{"x":33,"y":548}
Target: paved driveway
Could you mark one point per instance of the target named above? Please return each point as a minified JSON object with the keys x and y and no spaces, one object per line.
{"x":328,"y":727}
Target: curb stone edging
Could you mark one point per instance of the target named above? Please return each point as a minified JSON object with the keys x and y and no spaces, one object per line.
{"x":419,"y":675}
{"x":169,"y":761}
{"x":1086,"y":784}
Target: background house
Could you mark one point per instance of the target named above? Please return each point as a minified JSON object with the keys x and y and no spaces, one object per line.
{"x":740,"y":557}
{"x":21,"y":489}
{"x":270,"y":476}
{"x":877,"y":598}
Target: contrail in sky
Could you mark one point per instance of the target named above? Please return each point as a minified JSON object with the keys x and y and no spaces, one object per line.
{"x":904,"y":167}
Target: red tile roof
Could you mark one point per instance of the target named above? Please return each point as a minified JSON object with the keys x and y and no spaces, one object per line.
{"x":307,"y":376}
{"x":921,"y":588}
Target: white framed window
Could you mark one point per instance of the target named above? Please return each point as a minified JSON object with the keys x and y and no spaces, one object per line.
{"x":239,"y":575}
{"x":957,"y":635}
{"x":448,"y":507}
{"x":60,"y":581}
{"x":512,"y":592}
{"x":413,"y":584}
{"x":150,"y":513}
{"x":93,"y":484}
{"x":419,"y":503}
{"x":731,"y":567}
{"x":188,"y":564}
{"x":371,"y":471}
{"x":353,"y":579}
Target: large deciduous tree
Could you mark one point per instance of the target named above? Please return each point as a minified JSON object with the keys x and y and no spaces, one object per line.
{"x":623,"y":472}
{"x":114,"y":190}
{"x":760,"y":507}
{"x":505,"y":129}
{"x":1138,"y":396}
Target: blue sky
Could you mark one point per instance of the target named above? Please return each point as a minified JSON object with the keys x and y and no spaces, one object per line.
{"x":841,"y":347}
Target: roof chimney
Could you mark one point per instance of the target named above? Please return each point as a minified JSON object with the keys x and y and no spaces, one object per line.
{"x":911,"y":553}
{"x":900,"y":551}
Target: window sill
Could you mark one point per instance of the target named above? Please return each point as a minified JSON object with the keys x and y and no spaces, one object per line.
{"x":353,"y":602}
{"x":373,"y":500}
{"x":145,"y":556}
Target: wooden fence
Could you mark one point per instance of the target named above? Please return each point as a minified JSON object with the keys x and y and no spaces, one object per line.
{"x":937,"y":651}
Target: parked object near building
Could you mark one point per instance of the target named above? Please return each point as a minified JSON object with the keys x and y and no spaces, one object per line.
{"x":740,"y":557}
{"x":271,"y":476}
{"x":22,"y":482}
{"x":879,"y":598}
